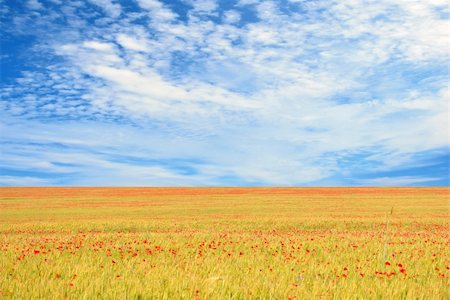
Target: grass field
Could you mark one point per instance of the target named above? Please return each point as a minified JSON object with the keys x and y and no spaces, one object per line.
{"x":224,"y":243}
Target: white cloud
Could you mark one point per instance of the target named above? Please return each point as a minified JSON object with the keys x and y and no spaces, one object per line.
{"x":132,"y":43}
{"x":157,"y":10}
{"x":247,"y":2}
{"x":268,"y":11}
{"x":267,"y":101}
{"x":397,"y":181}
{"x":34,"y":5}
{"x":110,"y":7}
{"x":232,"y":16}
{"x":22,"y":181}
{"x":208,"y":7}
{"x":107,"y":47}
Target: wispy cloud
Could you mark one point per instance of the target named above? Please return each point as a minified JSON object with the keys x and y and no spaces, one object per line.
{"x":22,"y":181}
{"x":252,"y":92}
{"x":398,"y":181}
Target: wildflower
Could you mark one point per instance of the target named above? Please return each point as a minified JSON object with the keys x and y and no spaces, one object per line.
{"x":387,"y":263}
{"x":390,"y":274}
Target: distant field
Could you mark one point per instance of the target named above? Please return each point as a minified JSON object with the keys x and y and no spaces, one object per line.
{"x":224,"y":243}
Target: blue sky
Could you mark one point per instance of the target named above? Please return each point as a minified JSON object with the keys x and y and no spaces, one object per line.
{"x":224,"y":93}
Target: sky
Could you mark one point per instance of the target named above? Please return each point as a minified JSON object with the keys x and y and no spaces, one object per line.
{"x":224,"y":93}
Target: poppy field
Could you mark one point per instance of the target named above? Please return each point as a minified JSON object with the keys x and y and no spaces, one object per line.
{"x":224,"y":243}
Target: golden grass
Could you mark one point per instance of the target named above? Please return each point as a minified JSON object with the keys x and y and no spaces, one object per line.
{"x":224,"y":243}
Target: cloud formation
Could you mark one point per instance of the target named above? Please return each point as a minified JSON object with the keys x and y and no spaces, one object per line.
{"x":235,"y":93}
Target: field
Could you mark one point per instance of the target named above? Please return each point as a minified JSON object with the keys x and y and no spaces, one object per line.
{"x":224,"y":243}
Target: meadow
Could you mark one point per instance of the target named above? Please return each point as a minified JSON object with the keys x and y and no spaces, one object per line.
{"x":224,"y":243}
